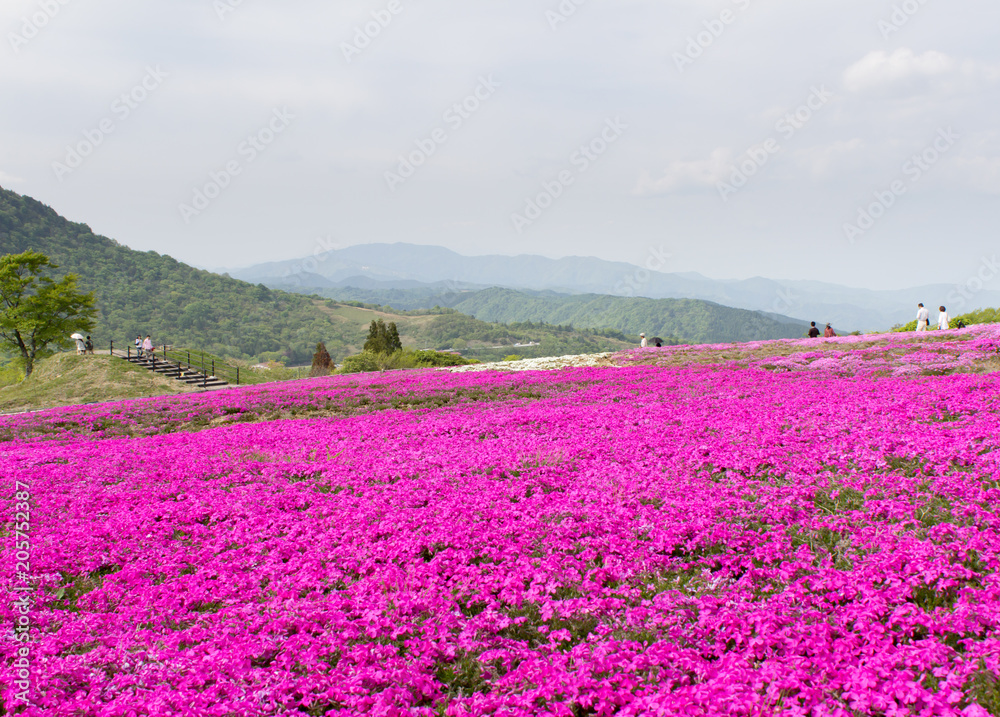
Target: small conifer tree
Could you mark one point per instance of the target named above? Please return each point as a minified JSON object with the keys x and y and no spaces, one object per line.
{"x":392,"y":338}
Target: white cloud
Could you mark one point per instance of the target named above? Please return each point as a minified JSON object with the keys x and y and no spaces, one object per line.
{"x":905,"y":72}
{"x":684,"y":175}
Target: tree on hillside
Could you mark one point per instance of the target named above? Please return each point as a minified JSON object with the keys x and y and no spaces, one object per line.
{"x":383,"y":339}
{"x":38,"y":313}
{"x":392,"y":338}
{"x":321,"y":361}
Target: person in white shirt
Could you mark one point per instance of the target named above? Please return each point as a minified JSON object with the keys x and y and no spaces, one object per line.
{"x":943,"y":319}
{"x":923,"y":317}
{"x":642,"y":343}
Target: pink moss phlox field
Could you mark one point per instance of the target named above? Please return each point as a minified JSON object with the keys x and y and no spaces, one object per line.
{"x":697,"y":540}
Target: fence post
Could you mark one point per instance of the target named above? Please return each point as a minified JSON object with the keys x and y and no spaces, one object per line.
{"x":237,"y":375}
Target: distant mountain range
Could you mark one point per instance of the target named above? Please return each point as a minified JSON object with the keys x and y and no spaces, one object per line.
{"x":146,"y":292}
{"x":422,"y":273}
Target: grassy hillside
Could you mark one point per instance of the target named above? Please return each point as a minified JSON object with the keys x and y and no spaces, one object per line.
{"x":67,"y":379}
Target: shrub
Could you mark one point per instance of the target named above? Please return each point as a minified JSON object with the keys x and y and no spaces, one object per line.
{"x":407,"y":358}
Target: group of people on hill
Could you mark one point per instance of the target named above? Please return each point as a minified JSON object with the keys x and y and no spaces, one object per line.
{"x":83,"y":346}
{"x":943,"y":322}
{"x":828,"y":332}
{"x":144,"y":347}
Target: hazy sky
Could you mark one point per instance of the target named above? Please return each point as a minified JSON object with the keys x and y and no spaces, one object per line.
{"x":744,"y":137}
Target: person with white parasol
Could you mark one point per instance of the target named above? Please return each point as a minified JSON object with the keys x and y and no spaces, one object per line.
{"x":81,"y":345}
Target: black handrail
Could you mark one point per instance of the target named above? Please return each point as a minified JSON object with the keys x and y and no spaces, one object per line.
{"x":203,"y":363}
{"x":184,"y":359}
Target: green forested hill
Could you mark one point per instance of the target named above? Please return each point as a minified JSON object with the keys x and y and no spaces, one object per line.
{"x":692,"y":319}
{"x":145,"y":292}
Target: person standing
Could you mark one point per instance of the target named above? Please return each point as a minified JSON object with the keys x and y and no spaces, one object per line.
{"x":943,"y":319}
{"x":829,"y":333}
{"x":642,"y":341}
{"x":813,"y":331}
{"x":138,"y":345}
{"x":89,"y":345}
{"x":147,"y":346}
{"x":923,"y":318}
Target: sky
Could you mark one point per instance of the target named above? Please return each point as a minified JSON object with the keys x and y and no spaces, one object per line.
{"x":849,"y":141}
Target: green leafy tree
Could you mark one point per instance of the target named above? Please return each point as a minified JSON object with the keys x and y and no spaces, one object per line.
{"x":38,"y":313}
{"x":321,"y":361}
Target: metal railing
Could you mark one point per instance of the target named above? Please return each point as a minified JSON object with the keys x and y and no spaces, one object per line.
{"x":202,"y":363}
{"x":183,"y":360}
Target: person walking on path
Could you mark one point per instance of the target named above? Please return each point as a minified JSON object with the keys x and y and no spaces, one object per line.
{"x":138,"y":345}
{"x":89,"y":345}
{"x":829,"y":333}
{"x":642,"y":341}
{"x":943,"y":319}
{"x":147,"y":347}
{"x":923,"y":318}
{"x":813,"y":331}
